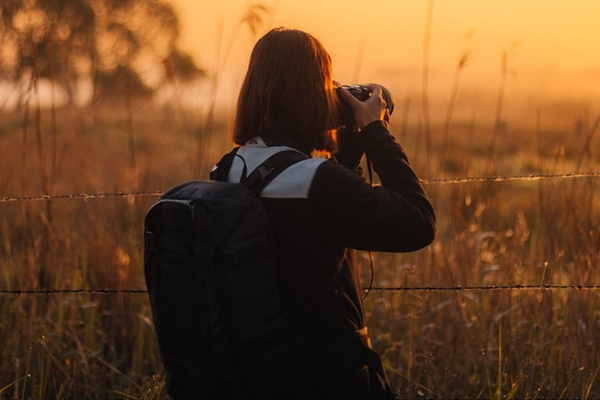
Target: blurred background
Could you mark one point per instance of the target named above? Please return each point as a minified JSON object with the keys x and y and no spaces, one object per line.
{"x":550,"y":48}
{"x":104,"y":104}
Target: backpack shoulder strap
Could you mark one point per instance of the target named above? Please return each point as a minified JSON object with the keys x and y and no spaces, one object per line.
{"x":263,"y":174}
{"x":270,"y":168}
{"x":221,"y":171}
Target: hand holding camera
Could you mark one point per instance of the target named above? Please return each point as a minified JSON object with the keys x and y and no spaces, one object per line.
{"x":364,"y":104}
{"x":360,"y":105}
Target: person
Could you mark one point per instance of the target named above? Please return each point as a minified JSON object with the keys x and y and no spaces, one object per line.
{"x":320,"y":207}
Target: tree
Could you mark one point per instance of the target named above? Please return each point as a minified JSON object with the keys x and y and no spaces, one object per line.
{"x":103,"y":41}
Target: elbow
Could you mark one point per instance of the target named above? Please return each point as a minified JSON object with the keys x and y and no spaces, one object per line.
{"x":426,"y":238}
{"x":429,"y":226}
{"x":426,"y":233}
{"x":425,"y":225}
{"x":430,"y":231}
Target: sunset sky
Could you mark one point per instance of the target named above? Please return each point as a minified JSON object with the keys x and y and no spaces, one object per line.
{"x":552,"y":45}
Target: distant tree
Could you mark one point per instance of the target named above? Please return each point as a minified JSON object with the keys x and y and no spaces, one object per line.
{"x":179,"y":65}
{"x":46,"y":39}
{"x":119,"y":82}
{"x":103,"y":41}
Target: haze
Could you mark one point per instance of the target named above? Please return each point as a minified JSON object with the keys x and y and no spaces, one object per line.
{"x":552,"y":47}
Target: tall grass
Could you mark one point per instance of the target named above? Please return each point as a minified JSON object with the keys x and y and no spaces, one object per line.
{"x":506,"y":343}
{"x":425,"y":84}
{"x":510,"y":343}
{"x":80,"y":345}
{"x":437,"y":343}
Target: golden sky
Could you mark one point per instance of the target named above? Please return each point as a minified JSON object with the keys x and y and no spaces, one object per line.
{"x":551,"y":45}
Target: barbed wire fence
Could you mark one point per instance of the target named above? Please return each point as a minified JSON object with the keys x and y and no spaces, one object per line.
{"x":445,"y":181}
{"x":457,"y":288}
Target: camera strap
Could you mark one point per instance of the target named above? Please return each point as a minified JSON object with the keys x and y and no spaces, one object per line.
{"x":371,"y":281}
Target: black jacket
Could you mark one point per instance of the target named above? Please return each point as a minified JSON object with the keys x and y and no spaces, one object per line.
{"x":319,"y":208}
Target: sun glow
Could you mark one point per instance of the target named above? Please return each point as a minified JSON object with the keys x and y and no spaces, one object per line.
{"x":549,"y":48}
{"x":550,"y":34}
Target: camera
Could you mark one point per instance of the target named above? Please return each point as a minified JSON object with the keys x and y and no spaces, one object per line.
{"x":362,"y":93}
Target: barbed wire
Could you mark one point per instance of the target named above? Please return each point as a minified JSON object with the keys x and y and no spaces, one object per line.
{"x":444,"y":181}
{"x":456,"y":288}
{"x":459,"y":288}
{"x":528,"y":177}
{"x":70,"y":291}
{"x":81,"y":196}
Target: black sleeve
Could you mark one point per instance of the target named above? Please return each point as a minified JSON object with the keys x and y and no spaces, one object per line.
{"x":396,"y":216}
{"x":349,"y":148}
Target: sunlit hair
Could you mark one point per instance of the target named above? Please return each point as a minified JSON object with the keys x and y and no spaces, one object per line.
{"x":288,"y":83}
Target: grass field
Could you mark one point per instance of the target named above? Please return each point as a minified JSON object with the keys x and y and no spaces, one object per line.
{"x":437,"y":341}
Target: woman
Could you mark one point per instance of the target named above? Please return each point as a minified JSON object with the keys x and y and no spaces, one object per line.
{"x":320,"y":207}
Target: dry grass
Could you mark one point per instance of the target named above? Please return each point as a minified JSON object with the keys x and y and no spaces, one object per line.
{"x":437,"y":343}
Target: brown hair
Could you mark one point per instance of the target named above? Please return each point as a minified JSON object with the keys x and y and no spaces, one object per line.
{"x":289,"y":83}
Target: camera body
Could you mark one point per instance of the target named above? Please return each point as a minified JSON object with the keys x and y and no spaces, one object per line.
{"x":362,"y":93}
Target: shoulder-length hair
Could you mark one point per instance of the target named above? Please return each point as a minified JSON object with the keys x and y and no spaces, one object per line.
{"x":289,"y":82}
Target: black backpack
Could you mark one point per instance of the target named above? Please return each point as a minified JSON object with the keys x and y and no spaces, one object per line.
{"x":210,"y":269}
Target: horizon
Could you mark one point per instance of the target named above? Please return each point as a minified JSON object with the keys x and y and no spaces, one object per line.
{"x":385,"y":44}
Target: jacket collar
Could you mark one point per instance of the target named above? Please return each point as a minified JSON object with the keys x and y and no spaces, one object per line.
{"x":274,"y":134}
